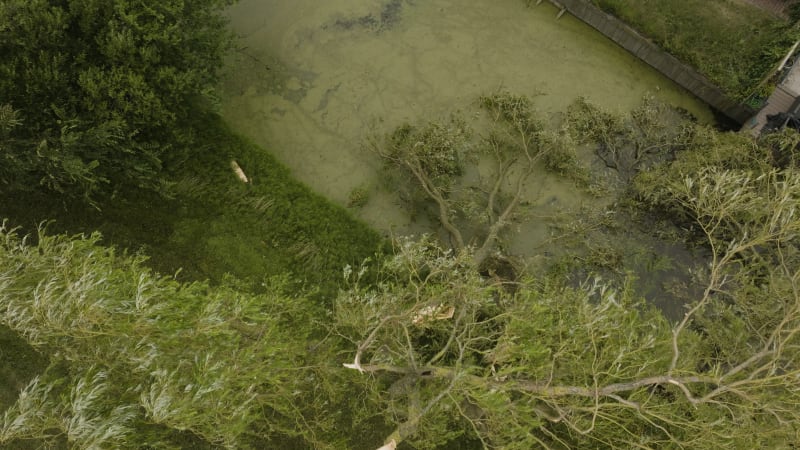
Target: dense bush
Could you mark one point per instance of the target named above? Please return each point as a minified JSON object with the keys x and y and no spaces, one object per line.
{"x":100,"y":90}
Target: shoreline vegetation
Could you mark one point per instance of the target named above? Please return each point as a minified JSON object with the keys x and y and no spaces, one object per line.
{"x":735,"y":44}
{"x":211,"y":224}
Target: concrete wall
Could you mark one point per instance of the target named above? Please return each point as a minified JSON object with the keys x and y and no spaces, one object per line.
{"x":662,"y":61}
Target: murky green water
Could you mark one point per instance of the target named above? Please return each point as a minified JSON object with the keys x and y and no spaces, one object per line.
{"x":312,"y":78}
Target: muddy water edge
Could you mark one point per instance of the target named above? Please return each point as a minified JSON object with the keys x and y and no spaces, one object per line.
{"x":310,"y":81}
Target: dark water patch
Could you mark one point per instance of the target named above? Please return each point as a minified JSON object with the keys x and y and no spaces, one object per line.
{"x":386,"y":18}
{"x":663,"y":272}
{"x":323,"y":103}
{"x":723,"y":122}
{"x":266,"y":74}
{"x":629,"y":250}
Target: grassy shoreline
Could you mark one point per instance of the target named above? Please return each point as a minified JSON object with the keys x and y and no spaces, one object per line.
{"x":214,"y":224}
{"x":734,"y":44}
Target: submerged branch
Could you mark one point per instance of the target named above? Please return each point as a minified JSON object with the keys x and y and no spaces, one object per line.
{"x":436,"y":195}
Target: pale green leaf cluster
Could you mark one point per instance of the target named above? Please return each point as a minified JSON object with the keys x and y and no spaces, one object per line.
{"x":540,"y":363}
{"x":129,"y":348}
{"x":85,"y":413}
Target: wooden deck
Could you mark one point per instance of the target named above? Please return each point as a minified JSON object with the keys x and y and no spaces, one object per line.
{"x":782,"y":99}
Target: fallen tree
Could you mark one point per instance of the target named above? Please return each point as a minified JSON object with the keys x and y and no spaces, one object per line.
{"x":434,"y":157}
{"x":553,"y":366}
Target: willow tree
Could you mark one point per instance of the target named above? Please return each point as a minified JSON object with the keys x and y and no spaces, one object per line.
{"x":436,"y":156}
{"x":540,"y":363}
{"x":435,"y":351}
{"x":137,"y":360}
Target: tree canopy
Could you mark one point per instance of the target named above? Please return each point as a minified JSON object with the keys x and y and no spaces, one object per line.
{"x":540,"y":363}
{"x":135,"y":357}
{"x":426,"y":347}
{"x":96,"y":92}
{"x":438,"y":354}
{"x":421,"y":349}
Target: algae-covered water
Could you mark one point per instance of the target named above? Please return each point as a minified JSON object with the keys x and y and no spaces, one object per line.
{"x":311,"y":79}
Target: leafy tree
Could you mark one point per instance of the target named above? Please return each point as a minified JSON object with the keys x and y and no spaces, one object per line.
{"x":538,"y":363}
{"x":136,"y":358}
{"x":707,"y":149}
{"x":102,"y":91}
{"x":422,"y":349}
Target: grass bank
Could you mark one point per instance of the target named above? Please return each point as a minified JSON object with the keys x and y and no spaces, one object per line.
{"x":731,"y":42}
{"x":214,"y":224}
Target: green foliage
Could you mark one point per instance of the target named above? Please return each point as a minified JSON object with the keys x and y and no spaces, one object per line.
{"x":436,"y":149}
{"x":129,"y":349}
{"x":732,"y":43}
{"x":707,"y":150}
{"x":358,"y":197}
{"x":563,"y":160}
{"x":18,"y":364}
{"x":651,"y":133}
{"x":726,"y":192}
{"x":512,"y":370}
{"x":546,"y":364}
{"x":416,"y":287}
{"x":9,"y":119}
{"x":435,"y":353}
{"x":515,"y":110}
{"x":104,"y":88}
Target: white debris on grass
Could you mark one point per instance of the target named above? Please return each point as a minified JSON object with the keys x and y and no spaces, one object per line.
{"x":239,"y":172}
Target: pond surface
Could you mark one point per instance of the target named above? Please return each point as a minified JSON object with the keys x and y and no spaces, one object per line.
{"x":311,"y":80}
